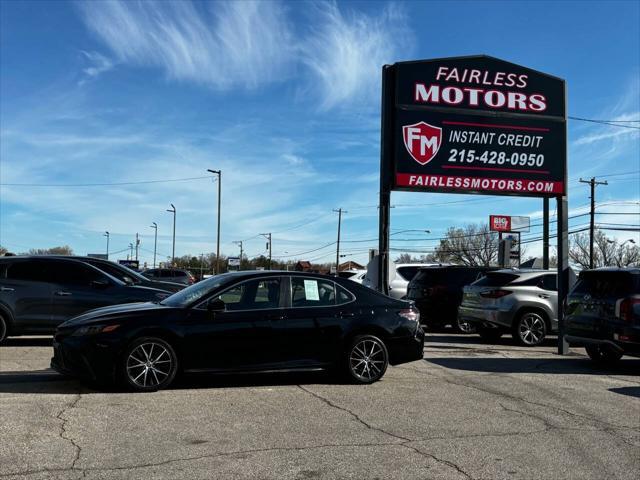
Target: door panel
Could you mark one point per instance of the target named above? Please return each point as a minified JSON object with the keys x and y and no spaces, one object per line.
{"x":241,"y":337}
{"x":26,"y":291}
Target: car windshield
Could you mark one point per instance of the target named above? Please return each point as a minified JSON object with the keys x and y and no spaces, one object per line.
{"x":197,"y":291}
{"x":122,"y":273}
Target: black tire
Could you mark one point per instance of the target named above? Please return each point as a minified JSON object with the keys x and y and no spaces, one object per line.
{"x":603,"y":354}
{"x":530,"y":328}
{"x":489,"y":334}
{"x":4,"y":329}
{"x":148,"y":364}
{"x":463,"y":327}
{"x":366,"y":359}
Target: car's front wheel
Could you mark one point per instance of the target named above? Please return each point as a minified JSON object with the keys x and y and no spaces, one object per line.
{"x":530,"y":329}
{"x":367,"y":359}
{"x":149,"y":364}
{"x":603,"y":354}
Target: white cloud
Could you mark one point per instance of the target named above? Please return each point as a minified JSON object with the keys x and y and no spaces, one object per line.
{"x":218,"y":44}
{"x":99,"y":65}
{"x":345,"y":52}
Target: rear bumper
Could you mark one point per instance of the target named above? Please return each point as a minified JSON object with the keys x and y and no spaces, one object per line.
{"x":486,"y":317}
{"x":406,"y":349}
{"x":432,"y":314}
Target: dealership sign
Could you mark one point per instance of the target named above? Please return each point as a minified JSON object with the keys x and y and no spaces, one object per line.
{"x":476,"y":125}
{"x":507,"y":223}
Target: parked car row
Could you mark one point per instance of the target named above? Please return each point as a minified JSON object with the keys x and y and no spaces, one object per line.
{"x":37,"y":293}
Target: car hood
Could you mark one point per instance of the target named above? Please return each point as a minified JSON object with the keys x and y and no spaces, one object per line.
{"x":125,"y":311}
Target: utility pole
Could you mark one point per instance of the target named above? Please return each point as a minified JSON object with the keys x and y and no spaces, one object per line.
{"x":131,"y":251}
{"x":137,"y":245}
{"x":106,"y":234}
{"x":268,"y":236}
{"x":239,"y":242}
{"x":339,"y":211}
{"x":173,"y":249}
{"x":201,"y":265}
{"x":592,"y":184}
{"x":219,"y":173}
{"x":155,"y":242}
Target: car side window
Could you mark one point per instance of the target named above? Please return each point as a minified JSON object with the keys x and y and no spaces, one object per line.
{"x":30,"y":271}
{"x":71,"y":273}
{"x":549,"y":282}
{"x":312,"y":292}
{"x":343,"y":296}
{"x":252,"y":295}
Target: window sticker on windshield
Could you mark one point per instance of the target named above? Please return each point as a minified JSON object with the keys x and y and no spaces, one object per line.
{"x":311,"y":290}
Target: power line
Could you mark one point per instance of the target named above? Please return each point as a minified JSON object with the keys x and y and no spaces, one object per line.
{"x":605,"y":122}
{"x":102,"y":184}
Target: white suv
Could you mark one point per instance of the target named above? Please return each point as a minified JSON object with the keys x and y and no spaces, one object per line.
{"x":400,"y":274}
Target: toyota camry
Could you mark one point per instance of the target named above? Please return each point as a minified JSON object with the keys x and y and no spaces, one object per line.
{"x":258,"y":321}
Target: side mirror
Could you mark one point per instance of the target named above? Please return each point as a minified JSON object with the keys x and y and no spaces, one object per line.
{"x":215,"y":305}
{"x":100,"y":283}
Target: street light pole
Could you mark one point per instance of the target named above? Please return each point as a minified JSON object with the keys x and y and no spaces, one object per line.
{"x":268,"y":236}
{"x":173,"y":248}
{"x":131,"y":251}
{"x":219,"y":173}
{"x":106,"y":234}
{"x":155,"y":242}
{"x":339,"y":211}
{"x":137,"y":245}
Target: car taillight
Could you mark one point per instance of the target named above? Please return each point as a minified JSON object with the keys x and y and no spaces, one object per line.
{"x":626,"y":308}
{"x":411,"y":314}
{"x":495,"y":293}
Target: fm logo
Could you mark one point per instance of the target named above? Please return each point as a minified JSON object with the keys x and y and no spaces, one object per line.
{"x":422,"y":141}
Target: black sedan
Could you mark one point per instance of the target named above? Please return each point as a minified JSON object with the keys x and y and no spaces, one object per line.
{"x":243,"y":322}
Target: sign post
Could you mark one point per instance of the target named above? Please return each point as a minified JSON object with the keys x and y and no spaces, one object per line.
{"x":478,"y":125}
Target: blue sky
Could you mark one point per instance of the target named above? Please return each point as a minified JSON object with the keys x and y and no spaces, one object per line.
{"x":284,"y":98}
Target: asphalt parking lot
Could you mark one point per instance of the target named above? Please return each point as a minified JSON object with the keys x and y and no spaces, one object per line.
{"x":467,"y":411}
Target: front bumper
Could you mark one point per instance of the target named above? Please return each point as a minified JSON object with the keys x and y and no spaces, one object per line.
{"x":83,"y":358}
{"x":406,"y":349}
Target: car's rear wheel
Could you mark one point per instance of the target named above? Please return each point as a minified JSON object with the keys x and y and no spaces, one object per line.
{"x":367,"y":359}
{"x":149,"y":364}
{"x":463,"y":326}
{"x":489,"y":334}
{"x":530,"y":329}
{"x":3,"y":329}
{"x":603,"y":354}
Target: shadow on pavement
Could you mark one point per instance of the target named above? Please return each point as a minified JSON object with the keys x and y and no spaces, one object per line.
{"x":28,"y":342}
{"x":631,"y":391}
{"x":560,"y":365}
{"x":433,"y":340}
{"x":50,"y":382}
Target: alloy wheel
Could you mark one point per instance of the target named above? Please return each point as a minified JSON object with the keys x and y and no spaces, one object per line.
{"x":368,"y":360}
{"x":149,"y":365}
{"x":464,"y":326}
{"x":531,"y":329}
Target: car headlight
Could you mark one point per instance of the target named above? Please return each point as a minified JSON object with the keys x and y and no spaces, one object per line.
{"x":93,"y":330}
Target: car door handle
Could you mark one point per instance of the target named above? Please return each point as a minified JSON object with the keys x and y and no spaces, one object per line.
{"x":7,"y":289}
{"x":542,"y":295}
{"x":346,"y":314}
{"x":275,"y":316}
{"x":61,"y":293}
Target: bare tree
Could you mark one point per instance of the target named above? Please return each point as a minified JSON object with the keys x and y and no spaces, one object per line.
{"x":472,"y":245}
{"x":62,"y":250}
{"x":606,"y":252}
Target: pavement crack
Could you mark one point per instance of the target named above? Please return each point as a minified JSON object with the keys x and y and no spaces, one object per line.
{"x":354,"y":415}
{"x":63,"y":433}
{"x":439,"y":460}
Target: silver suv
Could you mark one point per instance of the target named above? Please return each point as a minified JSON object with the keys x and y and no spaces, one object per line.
{"x":523,"y":302}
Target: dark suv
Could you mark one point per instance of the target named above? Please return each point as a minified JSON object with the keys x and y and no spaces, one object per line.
{"x":603,"y":313}
{"x":437,"y":292}
{"x":39,"y":293}
{"x":170,"y":275}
